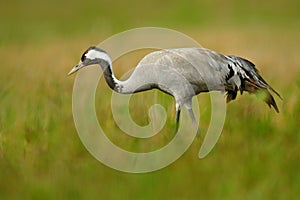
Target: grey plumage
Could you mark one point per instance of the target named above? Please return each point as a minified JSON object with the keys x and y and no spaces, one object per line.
{"x":184,"y":73}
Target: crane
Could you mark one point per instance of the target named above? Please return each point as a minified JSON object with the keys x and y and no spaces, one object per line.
{"x":184,"y":73}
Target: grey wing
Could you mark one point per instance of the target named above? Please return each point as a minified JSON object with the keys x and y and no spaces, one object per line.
{"x":202,"y":68}
{"x":205,"y":69}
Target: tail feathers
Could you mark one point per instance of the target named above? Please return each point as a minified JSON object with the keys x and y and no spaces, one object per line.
{"x":231,"y":95}
{"x":252,"y":82}
{"x":253,"y":87}
{"x":263,"y":84}
{"x":269,"y":99}
{"x":275,"y":92}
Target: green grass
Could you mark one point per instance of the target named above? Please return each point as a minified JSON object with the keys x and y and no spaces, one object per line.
{"x":41,"y":155}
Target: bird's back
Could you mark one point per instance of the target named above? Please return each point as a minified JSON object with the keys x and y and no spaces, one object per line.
{"x":176,"y":71}
{"x":203,"y":68}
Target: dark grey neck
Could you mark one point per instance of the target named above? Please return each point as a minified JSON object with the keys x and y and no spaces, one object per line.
{"x":109,"y":76}
{"x":131,"y":85}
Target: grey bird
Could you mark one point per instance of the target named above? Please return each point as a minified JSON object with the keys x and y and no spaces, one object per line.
{"x":184,"y":73}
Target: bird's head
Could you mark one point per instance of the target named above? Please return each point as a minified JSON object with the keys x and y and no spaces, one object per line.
{"x":93,"y":55}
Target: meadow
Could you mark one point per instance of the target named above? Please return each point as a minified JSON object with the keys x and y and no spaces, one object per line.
{"x":41,"y":155}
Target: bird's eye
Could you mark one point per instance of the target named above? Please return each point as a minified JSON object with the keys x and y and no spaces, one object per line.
{"x":84,"y":55}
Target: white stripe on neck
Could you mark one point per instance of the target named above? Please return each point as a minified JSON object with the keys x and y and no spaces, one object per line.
{"x":93,"y":54}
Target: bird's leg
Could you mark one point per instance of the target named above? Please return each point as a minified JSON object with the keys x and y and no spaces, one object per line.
{"x":178,"y":109}
{"x":189,"y":107}
{"x":193,"y":118}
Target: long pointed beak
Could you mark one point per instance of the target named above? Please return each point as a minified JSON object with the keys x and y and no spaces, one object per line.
{"x":75,"y":69}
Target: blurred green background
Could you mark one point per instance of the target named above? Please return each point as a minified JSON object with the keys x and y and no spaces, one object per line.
{"x":41,"y":155}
